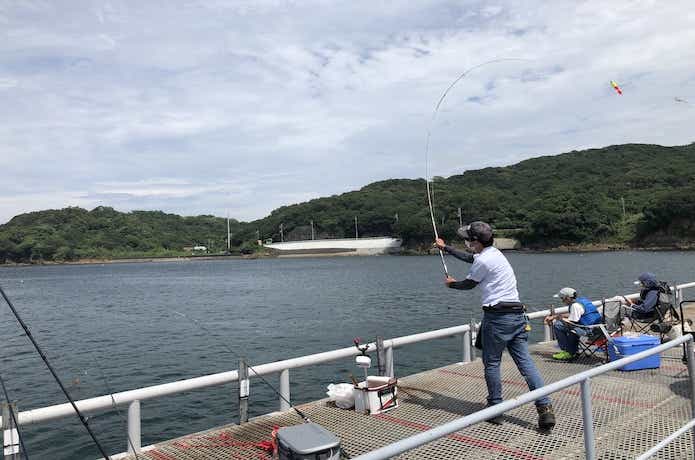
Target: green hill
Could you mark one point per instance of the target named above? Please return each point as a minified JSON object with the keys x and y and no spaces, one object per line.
{"x":627,"y":194}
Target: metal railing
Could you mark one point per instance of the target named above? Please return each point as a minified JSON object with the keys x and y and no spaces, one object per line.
{"x":132,"y":398}
{"x":583,"y":379}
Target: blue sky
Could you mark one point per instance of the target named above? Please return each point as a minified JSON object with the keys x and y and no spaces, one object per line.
{"x":209,"y":107}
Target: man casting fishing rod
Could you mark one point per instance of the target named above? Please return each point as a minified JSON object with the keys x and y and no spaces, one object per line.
{"x":504,"y":322}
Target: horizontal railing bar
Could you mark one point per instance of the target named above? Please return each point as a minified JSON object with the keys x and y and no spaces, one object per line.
{"x":425,"y":336}
{"x":433,"y":434}
{"x":106,"y":402}
{"x":126,"y":397}
{"x":672,"y":437}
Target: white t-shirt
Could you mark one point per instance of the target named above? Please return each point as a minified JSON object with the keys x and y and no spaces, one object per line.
{"x":495,"y":277}
{"x":576,"y":312}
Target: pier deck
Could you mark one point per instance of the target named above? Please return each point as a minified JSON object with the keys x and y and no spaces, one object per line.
{"x":632,"y":412}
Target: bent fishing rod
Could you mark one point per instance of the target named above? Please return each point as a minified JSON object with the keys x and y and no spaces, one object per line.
{"x":14,"y":418}
{"x":229,"y":349}
{"x":429,"y":135}
{"x":53,"y":372}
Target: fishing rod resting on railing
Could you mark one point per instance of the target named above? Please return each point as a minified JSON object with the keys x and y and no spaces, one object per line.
{"x":83,"y":419}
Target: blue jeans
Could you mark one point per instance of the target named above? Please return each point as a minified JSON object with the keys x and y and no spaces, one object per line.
{"x":565,"y":337}
{"x":507,"y":330}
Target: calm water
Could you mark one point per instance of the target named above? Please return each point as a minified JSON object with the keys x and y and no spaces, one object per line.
{"x":109,"y":328}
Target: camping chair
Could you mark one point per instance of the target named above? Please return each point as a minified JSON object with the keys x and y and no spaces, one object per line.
{"x":660,"y":320}
{"x":683,"y":328}
{"x":598,"y":337}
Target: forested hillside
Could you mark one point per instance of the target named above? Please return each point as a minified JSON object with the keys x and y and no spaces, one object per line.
{"x":576,"y":197}
{"x":626,"y":194}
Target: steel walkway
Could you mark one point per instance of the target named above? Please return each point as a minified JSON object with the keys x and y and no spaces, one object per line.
{"x":632,"y":412}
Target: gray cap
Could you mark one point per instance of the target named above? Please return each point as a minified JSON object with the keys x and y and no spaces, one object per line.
{"x":476,"y":231}
{"x":567,"y":293}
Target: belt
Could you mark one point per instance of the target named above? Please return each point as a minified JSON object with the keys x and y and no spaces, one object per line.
{"x":505,"y":307}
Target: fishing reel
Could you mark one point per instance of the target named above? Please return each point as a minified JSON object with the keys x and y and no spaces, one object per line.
{"x":362,"y":360}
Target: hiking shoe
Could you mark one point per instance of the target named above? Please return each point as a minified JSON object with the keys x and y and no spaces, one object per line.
{"x":563,"y":356}
{"x":497,"y":420}
{"x":546,"y":417}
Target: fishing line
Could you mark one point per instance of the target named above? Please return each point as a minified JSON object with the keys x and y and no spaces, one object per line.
{"x":429,"y":135}
{"x":229,"y":349}
{"x":343,"y":454}
{"x":95,"y":362}
{"x":14,"y":418}
{"x":55,"y":376}
{"x":114,"y":405}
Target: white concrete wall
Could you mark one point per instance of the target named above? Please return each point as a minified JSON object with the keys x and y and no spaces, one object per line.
{"x":365,"y":245}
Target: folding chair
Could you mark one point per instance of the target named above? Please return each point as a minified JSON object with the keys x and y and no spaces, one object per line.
{"x":659,"y":320}
{"x":598,"y":337}
{"x":683,"y":320}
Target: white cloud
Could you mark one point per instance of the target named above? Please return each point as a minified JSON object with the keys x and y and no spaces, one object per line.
{"x":201,"y":106}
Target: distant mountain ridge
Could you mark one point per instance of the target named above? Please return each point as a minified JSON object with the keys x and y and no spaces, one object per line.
{"x":631,"y":194}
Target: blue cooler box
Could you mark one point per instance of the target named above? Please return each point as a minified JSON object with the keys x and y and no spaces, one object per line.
{"x":633,"y":345}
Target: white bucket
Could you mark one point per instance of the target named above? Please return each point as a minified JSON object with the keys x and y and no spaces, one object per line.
{"x":376,"y":395}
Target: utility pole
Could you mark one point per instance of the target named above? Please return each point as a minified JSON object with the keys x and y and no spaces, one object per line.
{"x":312,"y":229}
{"x":282,"y":237}
{"x":622,"y":200}
{"x":229,"y":235}
{"x":258,"y":234}
{"x":460,"y":219}
{"x":357,"y":235}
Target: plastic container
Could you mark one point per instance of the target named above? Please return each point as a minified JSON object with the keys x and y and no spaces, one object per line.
{"x":376,"y":395}
{"x":632,"y":345}
{"x":307,"y":441}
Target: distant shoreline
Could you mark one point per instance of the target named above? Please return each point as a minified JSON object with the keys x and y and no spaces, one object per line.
{"x":129,"y":260}
{"x":407,"y":253}
{"x":609,"y":248}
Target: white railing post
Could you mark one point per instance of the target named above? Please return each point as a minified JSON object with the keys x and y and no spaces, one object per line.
{"x":285,"y":390}
{"x":10,"y":435}
{"x":472,"y":327}
{"x":679,"y":299}
{"x":244,"y":385}
{"x":587,"y":417}
{"x":547,"y":333}
{"x":548,"y":328}
{"x":466,"y":338}
{"x":389,"y":361}
{"x":134,"y":427}
{"x":380,"y":356}
{"x":678,"y":296}
{"x":690,"y":350}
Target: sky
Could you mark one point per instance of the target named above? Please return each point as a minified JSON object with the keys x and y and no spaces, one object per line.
{"x":239,"y":107}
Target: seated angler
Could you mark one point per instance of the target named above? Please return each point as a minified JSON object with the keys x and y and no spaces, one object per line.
{"x":643,"y":307}
{"x":582,"y":312}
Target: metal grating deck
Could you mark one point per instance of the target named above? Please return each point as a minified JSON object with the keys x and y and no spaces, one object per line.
{"x":632,"y":412}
